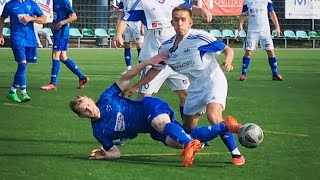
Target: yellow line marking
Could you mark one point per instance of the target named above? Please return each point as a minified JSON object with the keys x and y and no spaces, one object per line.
{"x":20,"y":105}
{"x":170,"y":154}
{"x":287,"y":133}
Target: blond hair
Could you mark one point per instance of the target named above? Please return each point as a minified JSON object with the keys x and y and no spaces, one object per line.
{"x":74,"y":104}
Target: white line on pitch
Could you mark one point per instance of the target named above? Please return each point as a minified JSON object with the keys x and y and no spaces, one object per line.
{"x":287,"y":133}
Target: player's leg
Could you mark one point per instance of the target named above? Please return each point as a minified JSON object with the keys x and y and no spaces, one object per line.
{"x":139,"y":47}
{"x":83,"y":80}
{"x":19,"y":53}
{"x":127,"y":56}
{"x":267,"y":44}
{"x":55,"y":69}
{"x":250,"y":44}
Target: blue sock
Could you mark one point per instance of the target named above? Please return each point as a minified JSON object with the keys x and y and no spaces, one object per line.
{"x":127,"y":56}
{"x":19,"y":79}
{"x":55,"y":71}
{"x":273,"y":65}
{"x":245,"y":64}
{"x":207,"y":133}
{"x":74,"y":68}
{"x":181,"y":112}
{"x":229,"y":140}
{"x":176,"y":132}
{"x":138,"y":49}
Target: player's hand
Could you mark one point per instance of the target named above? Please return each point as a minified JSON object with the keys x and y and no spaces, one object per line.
{"x":25,"y":19}
{"x":129,"y":92}
{"x":57,"y":26}
{"x":206,"y":14}
{"x":97,"y":154}
{"x":2,"y":41}
{"x":118,"y":41}
{"x":159,"y":59}
{"x":278,"y":32}
{"x":226,"y":65}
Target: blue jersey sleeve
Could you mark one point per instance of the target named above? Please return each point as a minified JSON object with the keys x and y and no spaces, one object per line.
{"x":103,"y":140}
{"x":215,"y":47}
{"x":112,"y":91}
{"x":6,"y":11}
{"x":270,"y":7}
{"x":37,"y":11}
{"x":135,"y":15}
{"x":120,"y":6}
{"x":68,"y":7}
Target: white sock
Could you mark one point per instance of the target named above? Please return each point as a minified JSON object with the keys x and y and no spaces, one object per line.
{"x":128,"y":68}
{"x":13,"y":89}
{"x":236,"y":152}
{"x":23,"y":91}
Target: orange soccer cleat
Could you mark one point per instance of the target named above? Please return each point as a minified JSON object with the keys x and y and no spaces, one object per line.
{"x":83,"y":82}
{"x":243,"y":77}
{"x":48,"y":87}
{"x":238,"y":161}
{"x":188,"y":153}
{"x":232,"y":124}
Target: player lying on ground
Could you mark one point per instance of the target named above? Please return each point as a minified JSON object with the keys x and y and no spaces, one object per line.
{"x":115,"y":117}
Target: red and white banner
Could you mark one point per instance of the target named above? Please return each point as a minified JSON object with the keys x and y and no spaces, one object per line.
{"x":45,"y":5}
{"x":222,"y":7}
{"x":302,"y":9}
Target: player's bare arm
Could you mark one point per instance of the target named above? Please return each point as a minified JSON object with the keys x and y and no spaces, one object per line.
{"x":118,"y":39}
{"x":227,"y":63}
{"x":275,"y":21}
{"x":198,"y":11}
{"x":73,"y":17}
{"x":1,"y":30}
{"x":242,"y":18}
{"x":40,"y":20}
{"x":124,"y":81}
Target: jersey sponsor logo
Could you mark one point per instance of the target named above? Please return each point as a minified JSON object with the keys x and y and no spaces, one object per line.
{"x":179,"y":66}
{"x":120,"y":124}
{"x":126,"y":16}
{"x":154,"y":24}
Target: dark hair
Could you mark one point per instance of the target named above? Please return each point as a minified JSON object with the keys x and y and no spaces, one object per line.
{"x":182,"y":8}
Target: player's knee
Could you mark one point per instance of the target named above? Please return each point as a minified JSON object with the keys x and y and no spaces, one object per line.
{"x":215,"y":119}
{"x":248,"y":53}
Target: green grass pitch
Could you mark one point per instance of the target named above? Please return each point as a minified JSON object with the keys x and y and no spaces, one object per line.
{"x":43,"y":139}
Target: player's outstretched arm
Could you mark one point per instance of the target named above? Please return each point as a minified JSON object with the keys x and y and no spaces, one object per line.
{"x":198,"y":11}
{"x":124,"y":81}
{"x":100,"y":153}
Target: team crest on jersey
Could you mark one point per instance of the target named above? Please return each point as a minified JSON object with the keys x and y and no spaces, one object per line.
{"x":120,"y":124}
{"x":28,"y":7}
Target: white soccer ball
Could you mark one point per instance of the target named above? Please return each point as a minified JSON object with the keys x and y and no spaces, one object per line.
{"x":250,"y":135}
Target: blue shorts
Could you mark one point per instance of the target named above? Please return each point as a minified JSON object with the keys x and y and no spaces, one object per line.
{"x":154,"y":107}
{"x":60,"y":44}
{"x":25,"y":53}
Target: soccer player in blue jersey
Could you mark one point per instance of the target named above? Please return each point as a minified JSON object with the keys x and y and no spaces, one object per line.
{"x":114,"y":117}
{"x":63,"y":15}
{"x":191,"y":53}
{"x":22,"y":13}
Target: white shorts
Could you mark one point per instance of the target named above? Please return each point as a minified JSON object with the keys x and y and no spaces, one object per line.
{"x":200,"y":94}
{"x":153,"y":40}
{"x":133,"y":32}
{"x":253,"y":39}
{"x":175,"y":80}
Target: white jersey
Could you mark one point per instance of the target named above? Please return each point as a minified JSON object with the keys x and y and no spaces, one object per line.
{"x":194,"y":58}
{"x":125,"y":7}
{"x":187,"y":59}
{"x":158,"y":13}
{"x":257,"y":10}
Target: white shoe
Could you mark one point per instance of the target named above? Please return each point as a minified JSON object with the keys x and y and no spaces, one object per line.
{"x":40,"y":46}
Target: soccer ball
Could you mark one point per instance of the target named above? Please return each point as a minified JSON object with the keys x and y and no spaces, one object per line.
{"x":250,"y":135}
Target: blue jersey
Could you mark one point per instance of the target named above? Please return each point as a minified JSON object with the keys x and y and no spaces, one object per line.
{"x":22,"y":34}
{"x":125,"y":118}
{"x":61,"y":11}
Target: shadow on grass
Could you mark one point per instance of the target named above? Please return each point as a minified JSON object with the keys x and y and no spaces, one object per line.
{"x":46,"y":141}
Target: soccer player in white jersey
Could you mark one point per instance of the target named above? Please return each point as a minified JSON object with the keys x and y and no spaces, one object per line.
{"x":156,"y":16}
{"x":134,"y":32}
{"x":191,"y":53}
{"x":259,"y":30}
